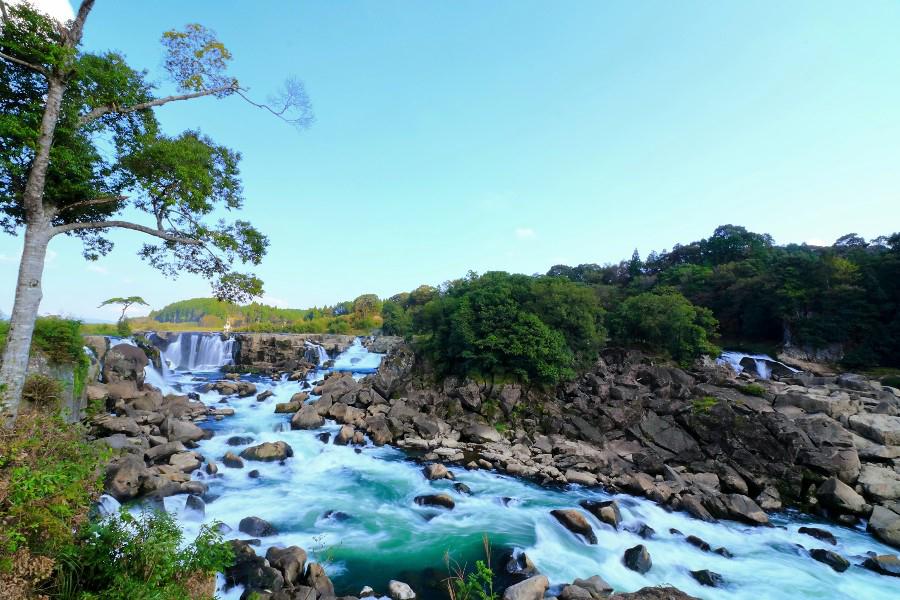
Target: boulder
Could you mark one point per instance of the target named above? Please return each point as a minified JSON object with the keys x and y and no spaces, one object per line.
{"x":575,"y":522}
{"x":436,"y":471}
{"x":442,"y":500}
{"x":836,"y":495}
{"x":884,"y":429}
{"x":637,"y":559}
{"x":264,"y":396}
{"x":256,"y":527}
{"x":251,"y":571}
{"x":186,"y":462}
{"x":886,"y":564}
{"x":880,"y":483}
{"x":819,"y":534}
{"x":832,"y":559}
{"x":125,"y":363}
{"x":124,"y":477}
{"x":317,"y":579}
{"x":595,"y":585}
{"x":268,"y":451}
{"x":345,"y":435}
{"x":163,"y":451}
{"x":742,"y":508}
{"x":574,"y":592}
{"x":233,"y":461}
{"x":708,"y":578}
{"x":654,"y":593}
{"x":607,"y":512}
{"x":288,"y":407}
{"x":291,"y":561}
{"x":180,"y":431}
{"x":532,"y":588}
{"x":398,"y":590}
{"x":479,"y":433}
{"x":885,"y":525}
{"x":109,"y":425}
{"x":307,"y":418}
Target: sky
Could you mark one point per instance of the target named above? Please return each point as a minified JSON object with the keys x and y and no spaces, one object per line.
{"x":515,"y":135}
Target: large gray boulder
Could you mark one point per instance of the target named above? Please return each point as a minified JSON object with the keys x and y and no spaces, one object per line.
{"x":879,"y":482}
{"x":836,"y":495}
{"x":180,"y":431}
{"x":532,"y":588}
{"x":884,"y":429}
{"x":291,"y":561}
{"x":400,"y":591}
{"x":268,"y":451}
{"x":124,"y":477}
{"x":885,"y":525}
{"x":307,"y":418}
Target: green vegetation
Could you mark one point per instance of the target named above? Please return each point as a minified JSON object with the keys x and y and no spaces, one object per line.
{"x":753,"y":389}
{"x":847,"y":293}
{"x":704,"y":404}
{"x":499,"y":325}
{"x":357,"y":317}
{"x":665,"y":320}
{"x":473,"y":585}
{"x":142,"y":558}
{"x":49,"y":476}
{"x":122,"y":327}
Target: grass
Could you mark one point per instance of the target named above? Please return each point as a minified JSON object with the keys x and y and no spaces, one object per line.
{"x":704,"y":405}
{"x":753,"y":389}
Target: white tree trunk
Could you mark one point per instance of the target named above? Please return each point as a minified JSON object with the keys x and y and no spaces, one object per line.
{"x":21,"y":322}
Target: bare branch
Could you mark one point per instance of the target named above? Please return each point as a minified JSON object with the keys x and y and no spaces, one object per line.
{"x":75,"y":31}
{"x":162,"y":234}
{"x":24,"y":63}
{"x":93,"y":202}
{"x":98,"y":112}
{"x":291,"y":104}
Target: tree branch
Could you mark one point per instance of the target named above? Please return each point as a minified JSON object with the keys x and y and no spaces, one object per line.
{"x":162,"y":234}
{"x":75,"y":32}
{"x":93,"y":202}
{"x":24,"y":63}
{"x":3,"y":12}
{"x":98,"y":112}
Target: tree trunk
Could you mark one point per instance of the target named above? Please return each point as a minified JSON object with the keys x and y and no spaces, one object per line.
{"x":21,"y":322}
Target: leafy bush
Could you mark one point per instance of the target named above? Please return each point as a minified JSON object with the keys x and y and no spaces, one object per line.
{"x":474,"y":585}
{"x":48,"y":477}
{"x":666,"y":321}
{"x":142,"y":558}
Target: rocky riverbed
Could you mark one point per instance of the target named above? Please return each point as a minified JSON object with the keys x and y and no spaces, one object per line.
{"x":701,"y":443}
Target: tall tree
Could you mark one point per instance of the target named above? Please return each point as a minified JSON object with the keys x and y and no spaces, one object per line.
{"x":80,"y":144}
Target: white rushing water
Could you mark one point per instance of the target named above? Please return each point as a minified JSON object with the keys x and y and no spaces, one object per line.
{"x":762,"y":362}
{"x":198,"y":352}
{"x":354,"y":511}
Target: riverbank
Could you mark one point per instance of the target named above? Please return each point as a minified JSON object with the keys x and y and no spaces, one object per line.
{"x":450,"y":426}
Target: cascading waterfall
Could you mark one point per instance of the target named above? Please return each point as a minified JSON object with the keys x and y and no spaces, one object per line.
{"x":762,"y":363}
{"x":199,"y":352}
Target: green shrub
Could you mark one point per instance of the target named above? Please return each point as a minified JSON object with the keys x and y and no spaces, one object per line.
{"x":473,"y":585}
{"x":753,"y":389}
{"x":143,"y":558}
{"x":892,"y":381}
{"x":704,"y":404}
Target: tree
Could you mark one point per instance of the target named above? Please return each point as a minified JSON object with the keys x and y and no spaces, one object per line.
{"x":80,"y":144}
{"x":125,"y":303}
{"x":366,"y":305}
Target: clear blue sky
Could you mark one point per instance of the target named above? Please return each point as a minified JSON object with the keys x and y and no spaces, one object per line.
{"x":516,"y":135}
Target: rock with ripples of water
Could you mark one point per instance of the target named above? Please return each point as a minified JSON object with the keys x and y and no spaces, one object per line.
{"x":268,"y":451}
{"x":832,"y":559}
{"x":307,"y":418}
{"x":606,"y":511}
{"x":637,"y":559}
{"x":708,"y":578}
{"x":819,"y":534}
{"x":575,"y":522}
{"x":436,"y":471}
{"x":441,"y":500}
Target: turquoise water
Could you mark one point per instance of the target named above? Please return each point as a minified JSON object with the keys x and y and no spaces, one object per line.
{"x":382,"y":534}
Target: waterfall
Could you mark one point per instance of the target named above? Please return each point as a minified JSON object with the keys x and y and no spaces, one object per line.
{"x":760,"y":365}
{"x":198,"y":352}
{"x":357,"y":359}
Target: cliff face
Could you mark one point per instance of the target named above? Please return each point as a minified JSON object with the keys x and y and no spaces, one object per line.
{"x":285,"y":350}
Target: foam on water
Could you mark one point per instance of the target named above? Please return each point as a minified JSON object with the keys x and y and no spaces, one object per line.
{"x":382,"y":534}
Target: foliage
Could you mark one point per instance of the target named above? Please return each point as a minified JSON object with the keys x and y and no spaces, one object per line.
{"x":473,"y":585}
{"x":497,"y":324}
{"x":59,"y":339}
{"x":753,"y":389}
{"x":704,"y":404}
{"x":665,"y":320}
{"x":142,"y":558}
{"x":48,"y":477}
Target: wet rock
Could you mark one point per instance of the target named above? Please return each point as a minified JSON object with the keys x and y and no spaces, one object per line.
{"x":345,"y":435}
{"x":400,"y":591}
{"x":251,"y":571}
{"x":288,"y":407}
{"x":164,"y":451}
{"x":254,"y":474}
{"x":442,"y":500}
{"x":239,"y":440}
{"x":575,"y":522}
{"x":836,"y":495}
{"x":291,"y":561}
{"x":886,"y":564}
{"x":708,"y":578}
{"x":693,"y":540}
{"x":366,"y":592}
{"x":880,"y":483}
{"x":819,"y":534}
{"x":265,"y":396}
{"x":212,"y":468}
{"x":481,"y":434}
{"x":186,"y":462}
{"x":195,"y":504}
{"x":644,"y":531}
{"x":832,"y":559}
{"x":256,"y":527}
{"x":608,"y":511}
{"x":323,"y":437}
{"x":637,"y":559}
{"x":532,"y":588}
{"x":520,"y":564}
{"x":436,"y":471}
{"x":462,"y":489}
{"x":574,"y":592}
{"x":233,"y":461}
{"x":125,"y":476}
